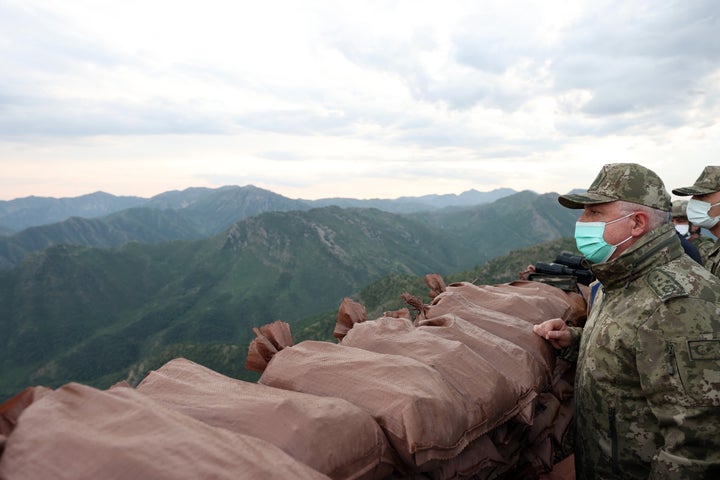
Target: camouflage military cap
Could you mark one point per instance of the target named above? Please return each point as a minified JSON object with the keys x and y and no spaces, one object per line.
{"x":707,"y":182}
{"x":679,"y":208}
{"x":629,"y":182}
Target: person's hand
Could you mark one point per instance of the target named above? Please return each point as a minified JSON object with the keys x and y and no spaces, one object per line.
{"x":525,"y":274}
{"x":554,"y":331}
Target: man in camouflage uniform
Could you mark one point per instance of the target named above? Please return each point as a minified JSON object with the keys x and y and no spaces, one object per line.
{"x":683,"y":228}
{"x":679,"y":217}
{"x":694,"y":234}
{"x":647,"y":384}
{"x":706,"y":192}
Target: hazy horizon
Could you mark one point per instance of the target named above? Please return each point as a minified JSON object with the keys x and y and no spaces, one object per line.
{"x":241,"y":186}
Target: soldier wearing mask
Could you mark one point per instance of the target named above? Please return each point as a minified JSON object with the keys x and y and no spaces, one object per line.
{"x":683,"y":228}
{"x":703,"y":210}
{"x":647,"y":383}
{"x":679,"y":218}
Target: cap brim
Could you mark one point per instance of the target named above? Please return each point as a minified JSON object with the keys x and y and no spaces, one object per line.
{"x":579,"y":200}
{"x":688,"y":191}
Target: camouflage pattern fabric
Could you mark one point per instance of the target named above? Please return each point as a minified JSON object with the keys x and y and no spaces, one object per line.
{"x":707,"y":182}
{"x":647,"y":386}
{"x":712,"y":260}
{"x":705,"y":246}
{"x":679,"y":208}
{"x":629,"y":182}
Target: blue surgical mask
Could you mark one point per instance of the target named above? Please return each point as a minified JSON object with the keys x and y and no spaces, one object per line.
{"x":697,"y":213}
{"x":590,"y":240}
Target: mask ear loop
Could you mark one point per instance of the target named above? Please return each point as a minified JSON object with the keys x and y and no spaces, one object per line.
{"x":618,"y":219}
{"x":627,"y":239}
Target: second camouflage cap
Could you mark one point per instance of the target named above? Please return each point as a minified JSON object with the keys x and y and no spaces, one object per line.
{"x":707,"y":182}
{"x":679,"y":208}
{"x":622,"y":181}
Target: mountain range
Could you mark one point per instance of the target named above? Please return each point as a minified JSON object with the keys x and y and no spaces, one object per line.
{"x":234,"y":201}
{"x":100,"y":315}
{"x":32,"y":224}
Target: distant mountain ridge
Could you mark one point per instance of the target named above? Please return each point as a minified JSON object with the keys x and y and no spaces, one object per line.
{"x":422,"y":203}
{"x":21,"y":213}
{"x":178,"y":215}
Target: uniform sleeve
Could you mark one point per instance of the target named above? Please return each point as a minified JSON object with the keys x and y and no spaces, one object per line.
{"x":570,"y":353}
{"x":678,"y":360}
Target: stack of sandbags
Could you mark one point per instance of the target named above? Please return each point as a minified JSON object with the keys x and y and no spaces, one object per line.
{"x":329,"y":434}
{"x":421,"y":414}
{"x":77,"y":432}
{"x":464,"y":389}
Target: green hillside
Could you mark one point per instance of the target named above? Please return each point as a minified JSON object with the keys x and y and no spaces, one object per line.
{"x":178,"y":215}
{"x":134,"y":224}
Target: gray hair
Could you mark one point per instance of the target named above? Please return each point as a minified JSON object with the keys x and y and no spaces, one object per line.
{"x":657,"y":217}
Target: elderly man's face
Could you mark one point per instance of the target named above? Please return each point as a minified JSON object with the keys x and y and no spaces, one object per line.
{"x":616,"y":232}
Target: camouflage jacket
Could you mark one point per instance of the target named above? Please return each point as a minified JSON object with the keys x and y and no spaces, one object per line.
{"x":712,"y":259}
{"x":704,"y":245}
{"x":647,"y":387}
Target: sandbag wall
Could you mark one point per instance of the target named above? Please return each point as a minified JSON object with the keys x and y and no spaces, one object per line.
{"x":463,"y":390}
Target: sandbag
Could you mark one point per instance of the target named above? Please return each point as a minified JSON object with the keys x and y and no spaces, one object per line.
{"x":349,"y":313}
{"x":329,"y":434}
{"x":502,"y":311}
{"x":421,"y":414}
{"x":78,"y":433}
{"x":534,"y":302}
{"x":480,"y":460}
{"x":563,"y":470}
{"x":269,"y":339}
{"x":11,"y":409}
{"x":490,"y":396}
{"x":516,"y":363}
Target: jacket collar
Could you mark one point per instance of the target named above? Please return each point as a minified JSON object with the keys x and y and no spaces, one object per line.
{"x":656,"y":247}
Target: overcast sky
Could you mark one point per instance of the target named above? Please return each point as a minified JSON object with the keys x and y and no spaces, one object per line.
{"x":363,"y":99}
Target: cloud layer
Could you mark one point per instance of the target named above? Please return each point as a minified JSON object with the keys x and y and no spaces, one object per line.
{"x":362,"y":99}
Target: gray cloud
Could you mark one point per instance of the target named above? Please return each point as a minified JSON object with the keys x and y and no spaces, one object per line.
{"x":643,"y":64}
{"x":31,"y":115}
{"x":653,"y":60}
{"x":647,"y":60}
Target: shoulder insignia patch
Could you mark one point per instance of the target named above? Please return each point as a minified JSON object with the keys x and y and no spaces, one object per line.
{"x":664,"y":285}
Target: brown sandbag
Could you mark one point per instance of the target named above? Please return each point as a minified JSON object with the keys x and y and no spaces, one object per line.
{"x":436,"y":284}
{"x":539,"y":453}
{"x":490,"y":396}
{"x":81,"y":433}
{"x":349,"y":313}
{"x":503,"y":311}
{"x":480,"y":460}
{"x":269,"y":339}
{"x":516,"y":363}
{"x":331,"y":435}
{"x":563,"y":470}
{"x":534,"y":302}
{"x":421,"y":414}
{"x":11,"y":409}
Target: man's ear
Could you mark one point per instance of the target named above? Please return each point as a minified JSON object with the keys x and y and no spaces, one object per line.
{"x":641,"y":224}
